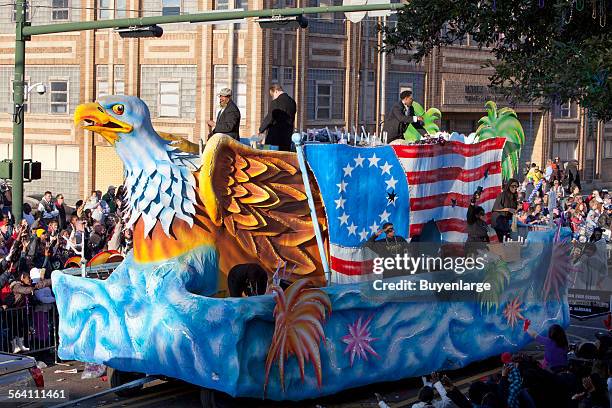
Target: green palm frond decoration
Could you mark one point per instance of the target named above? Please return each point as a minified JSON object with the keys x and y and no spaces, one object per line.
{"x":498,"y":275}
{"x":429,"y":119}
{"x":503,"y":123}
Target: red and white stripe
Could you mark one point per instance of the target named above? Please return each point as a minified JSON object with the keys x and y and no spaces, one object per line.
{"x":437,"y":175}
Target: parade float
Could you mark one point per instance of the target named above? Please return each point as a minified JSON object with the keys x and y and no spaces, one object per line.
{"x":164,"y":310}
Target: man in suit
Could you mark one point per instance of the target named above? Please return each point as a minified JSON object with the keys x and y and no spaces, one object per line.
{"x":401,"y":115}
{"x":228,"y":118}
{"x":280,"y":120}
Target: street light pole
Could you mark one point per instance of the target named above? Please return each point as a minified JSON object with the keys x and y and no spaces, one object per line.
{"x":18,"y":114}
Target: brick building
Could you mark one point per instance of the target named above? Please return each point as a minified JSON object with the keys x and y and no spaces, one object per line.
{"x":331,"y":69}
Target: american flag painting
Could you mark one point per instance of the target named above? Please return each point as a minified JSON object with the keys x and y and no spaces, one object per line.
{"x":407,"y":185}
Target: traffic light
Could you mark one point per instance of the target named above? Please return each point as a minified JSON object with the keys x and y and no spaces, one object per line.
{"x":31,"y":170}
{"x":277,"y":22}
{"x":6,"y":169}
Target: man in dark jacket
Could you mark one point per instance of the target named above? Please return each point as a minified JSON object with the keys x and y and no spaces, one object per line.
{"x":280,"y":120}
{"x":61,"y":217}
{"x":401,"y":115}
{"x":228,"y":118}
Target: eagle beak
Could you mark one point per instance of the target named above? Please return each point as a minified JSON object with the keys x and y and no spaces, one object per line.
{"x":100,"y":122}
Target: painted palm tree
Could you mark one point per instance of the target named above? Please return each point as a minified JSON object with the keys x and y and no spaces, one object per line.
{"x":429,"y":119}
{"x":503,"y":123}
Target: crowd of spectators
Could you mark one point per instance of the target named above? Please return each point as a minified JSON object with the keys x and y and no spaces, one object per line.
{"x":555,"y":194}
{"x":545,"y":197}
{"x":563,"y":379}
{"x":48,"y":237}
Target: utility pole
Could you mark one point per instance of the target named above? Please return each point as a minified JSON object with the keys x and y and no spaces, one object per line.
{"x":18,"y":115}
{"x":23,"y":31}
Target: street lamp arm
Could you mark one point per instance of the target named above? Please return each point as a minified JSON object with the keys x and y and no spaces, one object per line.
{"x":199,"y":18}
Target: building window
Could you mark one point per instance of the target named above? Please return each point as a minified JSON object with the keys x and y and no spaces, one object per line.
{"x":244,"y":5}
{"x":323,"y":100}
{"x":565,"y":150}
{"x":220,"y":81}
{"x":60,"y":10}
{"x":565,"y":110}
{"x":105,"y":9}
{"x":14,"y":14}
{"x":169,"y":98}
{"x":171,"y":7}
{"x":101,"y":88}
{"x":608,"y":148}
{"x":239,"y":93}
{"x":102,"y":81}
{"x":326,"y":17}
{"x":119,"y":86}
{"x":120,"y":8}
{"x":284,"y":77}
{"x":59,"y":96}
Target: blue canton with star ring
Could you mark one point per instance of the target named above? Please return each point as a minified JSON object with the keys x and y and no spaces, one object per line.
{"x":362,"y":188}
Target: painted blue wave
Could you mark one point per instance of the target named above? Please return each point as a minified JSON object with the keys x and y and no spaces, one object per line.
{"x":153,"y":318}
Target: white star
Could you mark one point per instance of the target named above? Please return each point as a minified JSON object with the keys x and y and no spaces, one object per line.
{"x":359,"y":161}
{"x":363,"y":235}
{"x":384,"y":217}
{"x":348,"y":170}
{"x":374,"y":227}
{"x":374,"y":160}
{"x":342,"y":187}
{"x":343,"y":219}
{"x":340,"y":203}
{"x":391,"y":183}
{"x":386,"y":168}
{"x":352,"y":229}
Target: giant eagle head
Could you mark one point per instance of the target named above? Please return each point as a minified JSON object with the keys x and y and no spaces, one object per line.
{"x":115,"y":117}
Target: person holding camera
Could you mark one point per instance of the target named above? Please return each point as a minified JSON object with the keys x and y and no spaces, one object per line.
{"x":477,"y":227}
{"x":504,"y":208}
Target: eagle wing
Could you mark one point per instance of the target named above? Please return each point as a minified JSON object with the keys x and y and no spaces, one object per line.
{"x":259,"y":197}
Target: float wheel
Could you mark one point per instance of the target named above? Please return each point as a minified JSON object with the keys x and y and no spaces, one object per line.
{"x":216,"y":399}
{"x":119,"y":377}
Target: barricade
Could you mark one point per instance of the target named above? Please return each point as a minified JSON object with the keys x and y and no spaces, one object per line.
{"x":36,"y":325}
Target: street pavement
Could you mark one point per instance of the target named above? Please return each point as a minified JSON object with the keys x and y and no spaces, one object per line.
{"x":160,"y":394}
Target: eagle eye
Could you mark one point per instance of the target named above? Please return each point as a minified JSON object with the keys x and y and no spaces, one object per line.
{"x":118,"y":109}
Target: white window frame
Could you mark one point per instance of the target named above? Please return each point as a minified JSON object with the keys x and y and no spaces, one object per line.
{"x":159,"y":97}
{"x":51,"y":103}
{"x":110,"y":9}
{"x":118,"y":79}
{"x":121,"y":12}
{"x":236,"y":95}
{"x":180,"y":7}
{"x":565,"y":107}
{"x":317,"y":106}
{"x":101,"y":79}
{"x":216,"y":89}
{"x":62,"y":9}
